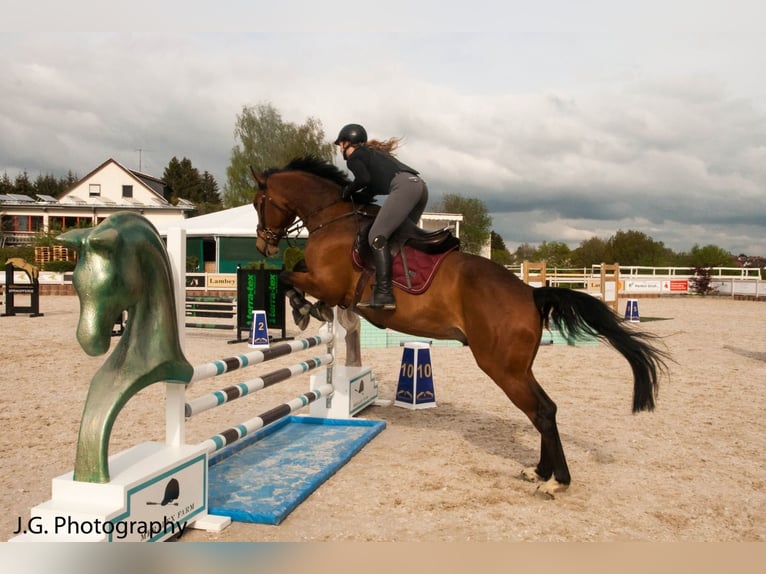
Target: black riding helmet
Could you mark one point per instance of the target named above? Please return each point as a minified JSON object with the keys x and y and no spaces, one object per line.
{"x":353,"y":134}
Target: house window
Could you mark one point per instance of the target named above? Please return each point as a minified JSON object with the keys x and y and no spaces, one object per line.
{"x":94,"y":189}
{"x":127,"y":191}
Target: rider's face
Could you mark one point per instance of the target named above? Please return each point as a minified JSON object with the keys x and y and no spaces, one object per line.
{"x":346,"y":149}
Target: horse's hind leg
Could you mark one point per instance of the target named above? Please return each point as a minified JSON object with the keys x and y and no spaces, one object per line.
{"x":351,"y":323}
{"x":552,"y":467}
{"x":528,"y":396}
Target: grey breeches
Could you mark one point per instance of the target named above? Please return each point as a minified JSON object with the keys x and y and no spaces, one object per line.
{"x":407,"y":200}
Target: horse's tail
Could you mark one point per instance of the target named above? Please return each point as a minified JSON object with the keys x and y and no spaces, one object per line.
{"x":576,"y":313}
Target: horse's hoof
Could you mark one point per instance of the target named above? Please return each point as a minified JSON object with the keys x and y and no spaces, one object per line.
{"x":550,"y":488}
{"x":530,"y":474}
{"x":301,"y":321}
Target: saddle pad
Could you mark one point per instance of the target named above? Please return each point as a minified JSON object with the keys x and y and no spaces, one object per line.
{"x":422,"y":268}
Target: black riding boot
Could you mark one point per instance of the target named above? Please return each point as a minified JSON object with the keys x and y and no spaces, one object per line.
{"x":382,"y":294}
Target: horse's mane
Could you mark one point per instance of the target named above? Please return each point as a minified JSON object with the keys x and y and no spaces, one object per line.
{"x":315,"y":165}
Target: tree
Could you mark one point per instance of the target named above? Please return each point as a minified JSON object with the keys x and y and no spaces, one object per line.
{"x":525,"y":252}
{"x":500,"y":253}
{"x":49,"y":185}
{"x":22,"y":185}
{"x":475,"y":229}
{"x":210,"y":199}
{"x":185,"y":182}
{"x":707,"y":256}
{"x":636,"y":248}
{"x":183,"y":179}
{"x":265,"y":140}
{"x":555,"y":254}
{"x":591,"y":251}
{"x":6,"y":185}
{"x":701,"y":282}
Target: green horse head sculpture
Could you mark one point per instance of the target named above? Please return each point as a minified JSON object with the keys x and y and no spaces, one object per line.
{"x":122,"y":266}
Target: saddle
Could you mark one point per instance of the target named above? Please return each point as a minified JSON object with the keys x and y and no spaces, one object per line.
{"x":416,"y":255}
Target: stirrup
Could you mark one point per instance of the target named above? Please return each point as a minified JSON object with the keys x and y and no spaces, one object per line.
{"x":372,"y":303}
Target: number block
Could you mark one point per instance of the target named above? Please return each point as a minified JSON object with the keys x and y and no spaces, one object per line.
{"x":416,"y":382}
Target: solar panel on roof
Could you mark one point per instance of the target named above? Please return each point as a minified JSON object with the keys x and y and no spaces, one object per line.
{"x":46,"y":198}
{"x":19,"y":197}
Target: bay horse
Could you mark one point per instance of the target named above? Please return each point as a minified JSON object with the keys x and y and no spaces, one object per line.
{"x":471,"y":299}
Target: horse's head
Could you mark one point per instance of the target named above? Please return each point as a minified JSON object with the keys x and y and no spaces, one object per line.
{"x":302,"y":189}
{"x":274,"y":215}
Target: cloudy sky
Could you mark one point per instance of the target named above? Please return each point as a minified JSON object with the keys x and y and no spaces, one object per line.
{"x":568,"y":119}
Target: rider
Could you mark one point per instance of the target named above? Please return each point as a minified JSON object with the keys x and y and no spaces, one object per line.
{"x":378,"y":172}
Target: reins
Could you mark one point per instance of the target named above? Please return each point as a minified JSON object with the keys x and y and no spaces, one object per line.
{"x":303,"y":222}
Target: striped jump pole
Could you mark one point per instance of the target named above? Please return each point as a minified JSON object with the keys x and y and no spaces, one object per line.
{"x":219,"y":367}
{"x":233,"y":392}
{"x":235,"y":433}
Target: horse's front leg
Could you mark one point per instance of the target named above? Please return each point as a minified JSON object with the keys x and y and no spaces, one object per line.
{"x":303,"y":309}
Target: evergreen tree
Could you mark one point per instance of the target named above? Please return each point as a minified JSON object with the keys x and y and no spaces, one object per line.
{"x":48,"y":185}
{"x":23,"y":186}
{"x":500,"y":253}
{"x":6,"y":185}
{"x":183,"y":179}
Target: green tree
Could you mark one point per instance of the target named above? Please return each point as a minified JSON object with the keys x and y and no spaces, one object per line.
{"x":525,"y":252}
{"x":68,"y":181}
{"x":591,"y":251}
{"x":475,"y":228}
{"x":264,"y":140}
{"x":555,"y":254}
{"x":185,"y":182}
{"x":210,"y":198}
{"x":183,"y":179}
{"x":500,"y":253}
{"x":707,"y":256}
{"x":636,"y":248}
{"x":49,"y":185}
{"x":23,"y":186}
{"x":6,"y":185}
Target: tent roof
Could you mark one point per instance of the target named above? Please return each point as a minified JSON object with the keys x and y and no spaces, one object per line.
{"x":235,"y":222}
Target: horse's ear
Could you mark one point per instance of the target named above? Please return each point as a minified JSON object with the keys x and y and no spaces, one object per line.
{"x":259,"y":178}
{"x":104,"y":239}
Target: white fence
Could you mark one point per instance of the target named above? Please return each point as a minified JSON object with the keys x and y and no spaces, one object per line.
{"x":634,"y":280}
{"x":639,"y":280}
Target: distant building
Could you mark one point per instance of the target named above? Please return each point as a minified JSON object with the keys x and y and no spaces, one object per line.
{"x":109,"y":188}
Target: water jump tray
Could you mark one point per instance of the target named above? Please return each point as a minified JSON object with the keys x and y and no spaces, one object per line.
{"x":264,"y":477}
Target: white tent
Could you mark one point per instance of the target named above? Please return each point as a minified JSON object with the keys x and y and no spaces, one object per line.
{"x":235,"y":222}
{"x":227,"y":230}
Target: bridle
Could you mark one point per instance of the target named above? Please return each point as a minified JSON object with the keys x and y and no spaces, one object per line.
{"x":272,"y":237}
{"x":264,"y":232}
